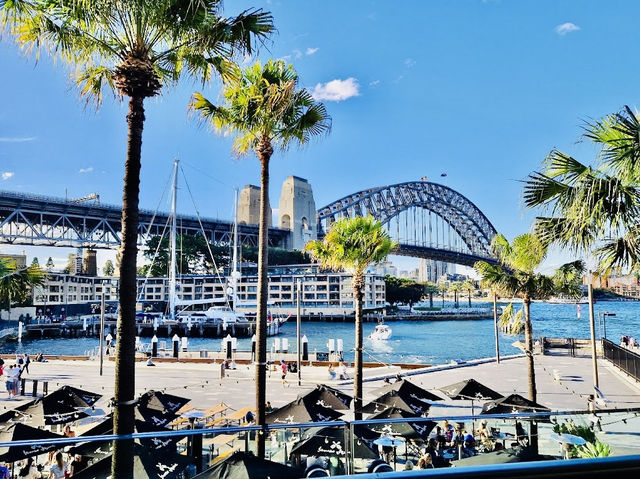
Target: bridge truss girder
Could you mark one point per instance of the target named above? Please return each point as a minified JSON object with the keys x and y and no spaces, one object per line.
{"x":45,"y":221}
{"x":388,"y":202}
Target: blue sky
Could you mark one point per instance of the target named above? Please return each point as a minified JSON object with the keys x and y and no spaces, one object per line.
{"x":481,"y":90}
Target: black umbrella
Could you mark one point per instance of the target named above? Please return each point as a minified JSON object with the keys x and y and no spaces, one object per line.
{"x":302,"y":410}
{"x":242,"y":465}
{"x":328,"y":397}
{"x":21,"y":432}
{"x":80,"y":397}
{"x":162,"y":401}
{"x":408,"y":430}
{"x":157,"y":443}
{"x":470,"y":389}
{"x":329,"y":441}
{"x":394,"y":399}
{"x":51,"y":410}
{"x":145,"y":465}
{"x":512,"y":404}
{"x":408,"y":389}
{"x":156,"y":417}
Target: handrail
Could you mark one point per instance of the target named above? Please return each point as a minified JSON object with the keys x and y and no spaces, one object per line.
{"x":234,"y":429}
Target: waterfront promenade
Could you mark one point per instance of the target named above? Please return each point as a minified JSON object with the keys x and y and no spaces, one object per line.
{"x":564,"y":382}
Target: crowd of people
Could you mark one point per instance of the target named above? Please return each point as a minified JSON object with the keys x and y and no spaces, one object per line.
{"x":13,"y":373}
{"x":628,"y":342}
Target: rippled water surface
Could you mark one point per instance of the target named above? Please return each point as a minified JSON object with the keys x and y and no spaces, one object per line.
{"x":414,"y":341}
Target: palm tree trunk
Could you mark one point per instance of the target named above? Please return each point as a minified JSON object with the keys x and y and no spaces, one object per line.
{"x":123,"y":415}
{"x":358,"y":293}
{"x":264,"y":154}
{"x":431,"y":300}
{"x":469,"y":291}
{"x":528,"y":340}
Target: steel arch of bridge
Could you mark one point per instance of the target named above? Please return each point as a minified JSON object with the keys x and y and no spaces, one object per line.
{"x":387,"y":202}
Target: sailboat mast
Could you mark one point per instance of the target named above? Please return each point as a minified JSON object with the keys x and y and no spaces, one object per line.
{"x":234,"y":262}
{"x":172,"y":239}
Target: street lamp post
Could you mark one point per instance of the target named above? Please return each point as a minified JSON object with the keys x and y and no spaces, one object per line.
{"x":604,"y":322}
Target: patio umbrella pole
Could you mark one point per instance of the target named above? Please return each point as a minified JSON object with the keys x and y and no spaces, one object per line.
{"x":348,"y":459}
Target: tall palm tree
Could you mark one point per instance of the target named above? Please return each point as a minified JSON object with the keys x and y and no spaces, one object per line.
{"x":516,"y":276}
{"x":430,"y":289}
{"x":264,"y":109}
{"x":442,"y":287}
{"x":455,"y":287}
{"x":586,"y":207}
{"x":17,"y":283}
{"x":354,"y":244}
{"x":133,"y":48}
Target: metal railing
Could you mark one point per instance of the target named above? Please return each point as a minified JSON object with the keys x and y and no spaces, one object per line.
{"x":623,"y":358}
{"x":620,"y":425}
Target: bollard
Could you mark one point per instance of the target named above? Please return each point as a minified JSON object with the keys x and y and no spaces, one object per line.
{"x":176,"y":345}
{"x":285,"y":345}
{"x":253,"y":347}
{"x":45,"y":388}
{"x":228,"y":341}
{"x":185,"y":344}
{"x":305,"y":348}
{"x":154,"y":346}
{"x":22,"y":385}
{"x":276,"y":344}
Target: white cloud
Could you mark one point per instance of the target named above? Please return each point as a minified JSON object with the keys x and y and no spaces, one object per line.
{"x":297,"y":53}
{"x":566,"y":28}
{"x":86,"y":170}
{"x":337,"y":90}
{"x":374,"y":83}
{"x":8,"y":139}
{"x":311,"y":51}
{"x":7,"y":174}
{"x":409,"y":62}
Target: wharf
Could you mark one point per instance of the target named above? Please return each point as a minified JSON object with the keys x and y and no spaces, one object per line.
{"x":76,"y":329}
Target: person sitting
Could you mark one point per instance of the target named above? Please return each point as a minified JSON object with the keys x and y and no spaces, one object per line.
{"x":425,"y":462}
{"x":408,"y":466}
{"x":268,"y":407}
{"x":521,"y":435}
{"x":343,"y":371}
{"x":150,"y":362}
{"x":332,"y":373}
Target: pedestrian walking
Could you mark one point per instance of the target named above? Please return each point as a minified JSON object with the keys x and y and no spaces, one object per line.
{"x":284,"y":367}
{"x":27,"y":360}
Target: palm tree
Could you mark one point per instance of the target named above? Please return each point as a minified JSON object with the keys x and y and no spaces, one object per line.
{"x":588,"y":206}
{"x":16,"y":283}
{"x":134,"y":49}
{"x":430,"y":289}
{"x":516,"y":276}
{"x":455,"y":287}
{"x":264,"y":109}
{"x":442,"y":287}
{"x":468,"y":285}
{"x":354,"y":244}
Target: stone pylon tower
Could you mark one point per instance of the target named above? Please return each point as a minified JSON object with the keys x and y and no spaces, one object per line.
{"x":249,"y":206}
{"x":298,"y":211}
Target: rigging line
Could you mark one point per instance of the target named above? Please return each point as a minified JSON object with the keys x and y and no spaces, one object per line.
{"x":155,"y":255}
{"x":155,"y":213}
{"x":206,"y":174}
{"x":213,"y":260}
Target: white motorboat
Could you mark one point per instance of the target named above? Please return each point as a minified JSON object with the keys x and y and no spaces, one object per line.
{"x":381,"y":332}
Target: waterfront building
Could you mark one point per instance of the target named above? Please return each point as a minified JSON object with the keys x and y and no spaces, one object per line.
{"x":65,"y":294}
{"x":625,"y":285}
{"x":20,"y":260}
{"x":431,"y":270}
{"x":323,"y":292}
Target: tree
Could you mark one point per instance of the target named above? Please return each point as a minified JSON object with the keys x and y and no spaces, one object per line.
{"x":134,"y":49}
{"x":71,"y":264}
{"x":587,"y":207}
{"x":50,"y":264}
{"x":516,"y":276}
{"x":430,"y":289}
{"x":442,"y":287}
{"x":468,"y":285}
{"x":455,"y":287}
{"x":16,"y":283}
{"x":35,"y":262}
{"x":264,"y":109}
{"x":354,"y":244}
{"x":277,"y":256}
{"x":402,"y":290}
{"x":108,"y":268}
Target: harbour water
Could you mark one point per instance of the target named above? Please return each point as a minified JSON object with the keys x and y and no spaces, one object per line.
{"x":420,"y":342}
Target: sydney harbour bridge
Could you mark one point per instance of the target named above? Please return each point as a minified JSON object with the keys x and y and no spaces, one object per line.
{"x":427,"y":220}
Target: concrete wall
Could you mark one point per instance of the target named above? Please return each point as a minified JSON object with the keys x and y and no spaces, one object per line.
{"x":298,"y":211}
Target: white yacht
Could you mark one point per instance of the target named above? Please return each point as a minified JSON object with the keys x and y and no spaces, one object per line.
{"x":215,"y":314}
{"x":381,"y":332}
